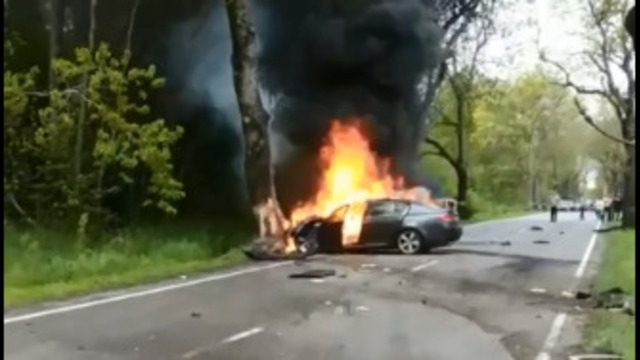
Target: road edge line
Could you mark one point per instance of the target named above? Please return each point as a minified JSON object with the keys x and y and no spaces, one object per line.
{"x":142,"y":293}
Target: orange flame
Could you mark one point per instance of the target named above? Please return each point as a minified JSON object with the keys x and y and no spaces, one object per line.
{"x":352,"y":174}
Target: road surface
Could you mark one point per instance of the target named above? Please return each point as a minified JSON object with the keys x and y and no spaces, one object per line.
{"x":480,"y":299}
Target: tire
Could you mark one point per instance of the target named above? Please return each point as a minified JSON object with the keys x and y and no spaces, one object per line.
{"x":410,"y":242}
{"x":308,"y":244}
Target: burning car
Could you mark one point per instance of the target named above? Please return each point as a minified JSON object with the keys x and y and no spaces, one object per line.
{"x":408,"y":226}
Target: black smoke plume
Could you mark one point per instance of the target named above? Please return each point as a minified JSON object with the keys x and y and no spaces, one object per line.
{"x":322,"y":60}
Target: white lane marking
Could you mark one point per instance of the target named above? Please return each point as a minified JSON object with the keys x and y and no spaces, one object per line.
{"x":161,"y":289}
{"x":242,"y":335}
{"x":424,"y":266}
{"x":558,"y":322}
{"x":552,"y":338}
{"x":587,"y":253}
{"x":595,"y":357}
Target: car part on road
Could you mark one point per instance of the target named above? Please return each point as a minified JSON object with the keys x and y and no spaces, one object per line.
{"x":541,"y":242}
{"x":313,"y":274}
{"x":270,"y":249}
{"x":505,"y":243}
{"x":409,"y":242}
{"x":536,"y":228}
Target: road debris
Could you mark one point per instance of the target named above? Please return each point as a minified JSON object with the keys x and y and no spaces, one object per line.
{"x":541,"y":242}
{"x":567,"y":294}
{"x":362,"y":308}
{"x":538,"y":290}
{"x":195,"y":314}
{"x":368,"y":266}
{"x":386,"y":270}
{"x":328,"y":303}
{"x":582,"y":295}
{"x":270,"y":249}
{"x":313,"y":274}
{"x":536,"y":228}
{"x":317,"y":281}
{"x":505,"y":243}
{"x":423,"y":301}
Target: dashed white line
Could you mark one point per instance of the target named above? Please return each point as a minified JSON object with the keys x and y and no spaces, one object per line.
{"x":552,"y":338}
{"x":424,"y":266}
{"x":242,"y":335}
{"x":157,"y":290}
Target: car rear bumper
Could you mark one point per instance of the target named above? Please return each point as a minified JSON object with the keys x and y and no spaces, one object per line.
{"x":443,"y":235}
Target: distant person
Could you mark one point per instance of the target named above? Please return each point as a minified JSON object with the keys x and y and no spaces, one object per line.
{"x":616,"y":209}
{"x":599,"y":209}
{"x":583,"y":208}
{"x":554,"y":212}
{"x":608,"y":210}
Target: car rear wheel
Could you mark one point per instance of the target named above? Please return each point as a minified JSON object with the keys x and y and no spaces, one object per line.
{"x":409,"y":242}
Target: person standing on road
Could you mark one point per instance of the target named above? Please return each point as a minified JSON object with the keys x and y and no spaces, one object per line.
{"x":583,"y":207}
{"x":554,"y":212}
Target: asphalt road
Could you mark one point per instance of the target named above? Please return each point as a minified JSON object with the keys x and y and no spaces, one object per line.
{"x":481,"y":299}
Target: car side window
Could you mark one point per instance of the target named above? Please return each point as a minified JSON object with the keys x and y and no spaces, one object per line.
{"x":400,"y":208}
{"x":379,"y":209}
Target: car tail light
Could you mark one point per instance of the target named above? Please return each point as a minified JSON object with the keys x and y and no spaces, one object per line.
{"x":446,"y":218}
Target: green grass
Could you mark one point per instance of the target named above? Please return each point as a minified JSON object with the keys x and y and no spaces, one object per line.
{"x":606,"y":330}
{"x":41,"y":265}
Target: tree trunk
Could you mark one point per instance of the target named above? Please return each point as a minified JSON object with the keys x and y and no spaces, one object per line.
{"x":79,"y":142}
{"x":629,"y":189}
{"x":463,"y":186}
{"x":53,"y":39}
{"x":253,"y":116}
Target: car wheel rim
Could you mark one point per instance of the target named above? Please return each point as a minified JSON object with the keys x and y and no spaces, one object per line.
{"x":408,"y":242}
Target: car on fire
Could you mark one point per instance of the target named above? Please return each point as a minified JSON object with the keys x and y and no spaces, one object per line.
{"x":408,"y":226}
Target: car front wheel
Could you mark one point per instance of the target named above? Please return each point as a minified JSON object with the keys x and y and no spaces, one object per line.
{"x":409,"y":242}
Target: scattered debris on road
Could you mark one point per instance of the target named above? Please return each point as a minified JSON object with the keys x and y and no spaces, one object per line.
{"x":423,"y":301}
{"x":536,"y":228}
{"x":196,"y":314}
{"x":368,"y":266}
{"x":538,"y":290}
{"x":270,"y":249}
{"x":541,"y":242}
{"x":505,"y":243}
{"x":313,"y":274}
{"x":362,"y":308}
{"x":582,"y":295}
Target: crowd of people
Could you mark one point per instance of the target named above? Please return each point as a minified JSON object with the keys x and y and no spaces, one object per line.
{"x":606,"y":209}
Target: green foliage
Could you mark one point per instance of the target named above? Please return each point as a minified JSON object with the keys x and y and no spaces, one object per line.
{"x":515,"y":133}
{"x":87,"y":138}
{"x":606,"y":330}
{"x":44,"y":265}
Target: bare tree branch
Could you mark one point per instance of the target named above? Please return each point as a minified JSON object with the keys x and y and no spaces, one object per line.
{"x":441,"y":151}
{"x":132,"y":20}
{"x":589,"y":120}
{"x":568,"y":82}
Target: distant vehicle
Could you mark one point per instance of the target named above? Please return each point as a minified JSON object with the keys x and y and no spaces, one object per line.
{"x":567,"y":205}
{"x":408,"y":226}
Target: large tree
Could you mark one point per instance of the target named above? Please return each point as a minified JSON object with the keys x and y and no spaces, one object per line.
{"x":257,"y":164}
{"x":460,"y":91}
{"x":610,"y":55}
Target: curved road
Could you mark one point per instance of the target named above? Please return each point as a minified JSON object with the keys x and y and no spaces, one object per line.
{"x":481,"y":299}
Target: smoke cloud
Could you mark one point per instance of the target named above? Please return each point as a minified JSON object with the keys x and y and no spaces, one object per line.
{"x":323,"y":60}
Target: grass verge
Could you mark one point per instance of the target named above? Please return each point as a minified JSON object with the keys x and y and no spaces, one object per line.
{"x":40,"y":265}
{"x":607,"y":330}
